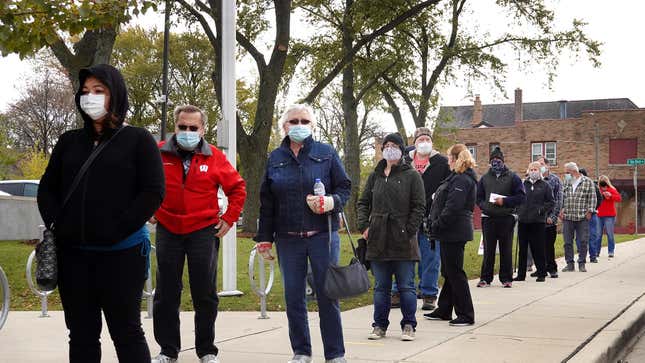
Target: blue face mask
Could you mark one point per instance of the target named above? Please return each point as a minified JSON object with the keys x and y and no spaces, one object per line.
{"x":298,"y":133}
{"x":188,"y":140}
{"x":568,"y":177}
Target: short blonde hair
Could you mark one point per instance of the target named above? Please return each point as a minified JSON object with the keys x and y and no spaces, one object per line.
{"x":462,"y":157}
{"x":534,"y":164}
{"x":605,"y":178}
{"x":295,"y":108}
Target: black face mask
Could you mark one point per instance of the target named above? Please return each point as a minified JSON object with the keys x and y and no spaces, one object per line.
{"x":603,"y":184}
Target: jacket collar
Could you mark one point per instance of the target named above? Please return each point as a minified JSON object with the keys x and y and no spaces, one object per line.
{"x":306,"y":145}
{"x":171,"y":147}
{"x":400,"y":167}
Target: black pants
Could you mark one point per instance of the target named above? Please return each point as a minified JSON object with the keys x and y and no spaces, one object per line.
{"x":201,"y":249}
{"x":531,"y":235}
{"x":498,"y":229}
{"x":112,"y":281}
{"x":455,"y":292}
{"x":550,"y":234}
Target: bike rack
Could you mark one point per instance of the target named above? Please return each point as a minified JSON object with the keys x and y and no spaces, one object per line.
{"x":44,"y":313}
{"x":6,"y":294}
{"x":263,"y":288}
{"x":148,"y":291}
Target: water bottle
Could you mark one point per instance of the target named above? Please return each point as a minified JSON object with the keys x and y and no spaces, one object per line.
{"x":319,"y":187}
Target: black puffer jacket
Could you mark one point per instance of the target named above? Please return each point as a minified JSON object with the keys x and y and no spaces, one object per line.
{"x":122,"y":188}
{"x":451,"y":216}
{"x":539,"y":202}
{"x":392,"y":207}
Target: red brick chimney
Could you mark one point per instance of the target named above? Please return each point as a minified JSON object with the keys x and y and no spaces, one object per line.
{"x":477,"y":112}
{"x":519,"y":106}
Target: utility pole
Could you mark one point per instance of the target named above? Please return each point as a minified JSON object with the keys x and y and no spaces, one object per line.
{"x":164,"y":84}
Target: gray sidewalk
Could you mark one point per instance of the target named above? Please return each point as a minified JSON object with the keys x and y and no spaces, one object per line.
{"x":532,"y":322}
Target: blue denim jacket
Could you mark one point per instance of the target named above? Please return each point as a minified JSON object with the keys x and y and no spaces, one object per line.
{"x":287,"y":182}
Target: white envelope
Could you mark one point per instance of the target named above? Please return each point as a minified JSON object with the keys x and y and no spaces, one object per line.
{"x":494,"y":196}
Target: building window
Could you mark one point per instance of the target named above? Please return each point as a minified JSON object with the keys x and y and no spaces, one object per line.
{"x":622,"y":149}
{"x":547,"y":149}
{"x":472,"y":148}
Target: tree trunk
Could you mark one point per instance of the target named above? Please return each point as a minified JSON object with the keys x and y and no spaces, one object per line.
{"x":252,"y":170}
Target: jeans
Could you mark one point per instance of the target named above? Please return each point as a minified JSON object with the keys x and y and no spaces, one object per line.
{"x":403,"y":271}
{"x":428,"y":268}
{"x":455,"y":292}
{"x":531,"y":235}
{"x":595,"y":236}
{"x":293,"y":254}
{"x":607,"y":223}
{"x":200,"y":248}
{"x":581,"y":231}
{"x":110,"y":281}
{"x":498,"y":229}
{"x":334,"y":249}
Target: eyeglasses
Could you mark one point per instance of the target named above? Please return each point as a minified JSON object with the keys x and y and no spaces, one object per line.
{"x":185,"y":127}
{"x":302,"y":121}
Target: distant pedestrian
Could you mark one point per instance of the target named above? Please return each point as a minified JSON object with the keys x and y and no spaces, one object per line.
{"x":531,"y":222}
{"x":578,"y":205}
{"x":498,"y":218}
{"x":551,"y":226}
{"x":297,"y":221}
{"x":595,"y":233}
{"x":433,"y":168}
{"x":607,"y":213}
{"x":390,"y":211}
{"x":452,"y":223}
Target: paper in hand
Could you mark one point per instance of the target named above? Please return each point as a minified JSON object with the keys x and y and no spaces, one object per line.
{"x":494,"y":196}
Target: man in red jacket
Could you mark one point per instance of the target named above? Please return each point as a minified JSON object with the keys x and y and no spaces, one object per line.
{"x":189,"y":226}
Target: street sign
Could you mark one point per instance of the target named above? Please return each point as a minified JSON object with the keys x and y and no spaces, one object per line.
{"x":635,"y":162}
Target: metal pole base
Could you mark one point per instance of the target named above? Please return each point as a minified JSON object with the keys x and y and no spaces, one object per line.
{"x":230,"y":293}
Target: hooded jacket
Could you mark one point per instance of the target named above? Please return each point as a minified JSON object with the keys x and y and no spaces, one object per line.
{"x":392,"y":207}
{"x":451,"y":216}
{"x":435,"y":173}
{"x":122,"y":188}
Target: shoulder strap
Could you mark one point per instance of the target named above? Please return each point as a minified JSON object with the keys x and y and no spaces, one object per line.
{"x":342,"y":213}
{"x":83,"y":170}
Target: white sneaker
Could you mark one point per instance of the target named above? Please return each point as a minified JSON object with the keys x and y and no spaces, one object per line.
{"x":163,"y":359}
{"x":209,"y":358}
{"x":300,"y":359}
{"x":336,"y":360}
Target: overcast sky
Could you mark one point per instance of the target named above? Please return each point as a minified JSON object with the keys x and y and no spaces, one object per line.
{"x":618,"y":24}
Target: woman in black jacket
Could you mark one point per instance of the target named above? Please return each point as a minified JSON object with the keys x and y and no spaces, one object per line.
{"x":451,"y":218}
{"x":101,"y":237}
{"x":390,"y":211}
{"x":532,"y":221}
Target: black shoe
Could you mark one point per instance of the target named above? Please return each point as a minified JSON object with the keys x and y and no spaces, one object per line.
{"x":593,"y":260}
{"x":436,"y":316}
{"x":461,"y":321}
{"x":534,"y":274}
{"x":554,"y":274}
{"x":540,"y":279}
{"x":517,"y":278}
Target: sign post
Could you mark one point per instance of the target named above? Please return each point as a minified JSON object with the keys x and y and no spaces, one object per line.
{"x":635,"y":163}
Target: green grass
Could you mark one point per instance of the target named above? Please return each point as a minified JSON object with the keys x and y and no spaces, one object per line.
{"x":13,"y":257}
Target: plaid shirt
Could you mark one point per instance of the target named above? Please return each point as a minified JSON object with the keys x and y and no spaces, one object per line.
{"x":577,"y":203}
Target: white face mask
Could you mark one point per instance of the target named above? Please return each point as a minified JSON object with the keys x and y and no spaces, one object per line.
{"x":424,"y":148}
{"x":392,"y":153}
{"x":93,"y":105}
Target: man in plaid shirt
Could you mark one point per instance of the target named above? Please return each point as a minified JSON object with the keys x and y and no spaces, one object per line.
{"x":579,"y":203}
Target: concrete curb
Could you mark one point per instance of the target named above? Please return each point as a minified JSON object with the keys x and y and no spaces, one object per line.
{"x":609,"y":342}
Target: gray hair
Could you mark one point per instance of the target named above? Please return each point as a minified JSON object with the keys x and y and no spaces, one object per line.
{"x":295,"y":108}
{"x":190,"y":109}
{"x":571,"y":166}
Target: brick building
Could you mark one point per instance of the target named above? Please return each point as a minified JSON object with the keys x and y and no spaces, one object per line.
{"x":599,"y":135}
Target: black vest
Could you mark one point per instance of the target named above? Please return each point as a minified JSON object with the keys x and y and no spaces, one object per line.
{"x":501,"y":185}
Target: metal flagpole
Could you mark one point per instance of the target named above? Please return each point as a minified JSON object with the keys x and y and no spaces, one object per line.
{"x":164,"y":81}
{"x":226,"y":138}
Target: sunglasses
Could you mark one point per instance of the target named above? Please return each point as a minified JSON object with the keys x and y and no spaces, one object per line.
{"x":302,"y":121}
{"x":185,"y":127}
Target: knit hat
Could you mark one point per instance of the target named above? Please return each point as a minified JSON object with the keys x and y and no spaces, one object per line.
{"x":395,"y":138}
{"x":422,"y":131}
{"x":496,"y":153}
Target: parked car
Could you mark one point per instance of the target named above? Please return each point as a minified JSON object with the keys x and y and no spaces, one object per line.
{"x":21,"y":188}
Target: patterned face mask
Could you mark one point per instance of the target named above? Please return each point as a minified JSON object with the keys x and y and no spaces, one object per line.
{"x":497,"y":166}
{"x":392,"y":153}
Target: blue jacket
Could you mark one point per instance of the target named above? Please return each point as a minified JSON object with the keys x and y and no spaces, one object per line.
{"x":287,"y":182}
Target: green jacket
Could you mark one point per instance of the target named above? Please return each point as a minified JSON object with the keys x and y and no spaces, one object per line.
{"x":392,"y":207}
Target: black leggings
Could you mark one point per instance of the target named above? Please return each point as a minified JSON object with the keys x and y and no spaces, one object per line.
{"x":111,"y":281}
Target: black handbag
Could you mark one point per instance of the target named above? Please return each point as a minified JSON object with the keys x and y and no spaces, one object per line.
{"x":46,"y":256}
{"x":343,"y":282}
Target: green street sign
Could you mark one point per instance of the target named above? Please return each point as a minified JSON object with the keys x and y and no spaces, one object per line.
{"x":635,"y":162}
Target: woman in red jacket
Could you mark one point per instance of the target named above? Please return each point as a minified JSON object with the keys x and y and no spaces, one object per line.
{"x":607,"y":212}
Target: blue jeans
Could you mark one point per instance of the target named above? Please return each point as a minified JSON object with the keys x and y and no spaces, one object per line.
{"x":428,"y":269}
{"x":403,"y":271}
{"x":293,"y":253}
{"x":608,"y":224}
{"x":595,"y":236}
{"x":334,"y":249}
